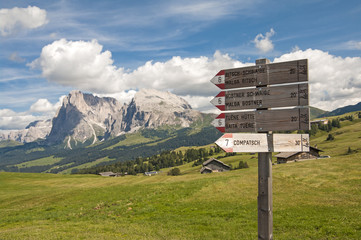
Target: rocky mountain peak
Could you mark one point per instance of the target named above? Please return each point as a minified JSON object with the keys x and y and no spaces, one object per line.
{"x":151,"y":100}
{"x":87,"y":118}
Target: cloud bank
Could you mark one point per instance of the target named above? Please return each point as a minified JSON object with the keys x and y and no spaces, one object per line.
{"x":42,"y":109}
{"x":17,"y":19}
{"x":85,"y":66}
{"x":334,"y":81}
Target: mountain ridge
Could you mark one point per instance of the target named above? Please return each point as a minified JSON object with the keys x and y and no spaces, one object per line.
{"x":343,"y":110}
{"x":86,"y":119}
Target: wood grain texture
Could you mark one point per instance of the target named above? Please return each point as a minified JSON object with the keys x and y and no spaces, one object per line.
{"x":267,"y":97}
{"x":267,"y":120}
{"x":267,"y":74}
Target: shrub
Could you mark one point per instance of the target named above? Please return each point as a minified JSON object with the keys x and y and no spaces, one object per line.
{"x":330,"y":137}
{"x":242,"y":165}
{"x":174,"y":172}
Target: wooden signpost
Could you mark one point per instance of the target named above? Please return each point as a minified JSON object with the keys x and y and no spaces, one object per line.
{"x":262,"y":74}
{"x":263,"y":120}
{"x":262,"y":97}
{"x":263,"y":94}
{"x":251,"y":142}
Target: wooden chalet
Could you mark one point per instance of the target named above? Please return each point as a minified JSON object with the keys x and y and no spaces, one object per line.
{"x":150,"y":173}
{"x":214,"y":165}
{"x":298,"y":156}
{"x":109,"y":174}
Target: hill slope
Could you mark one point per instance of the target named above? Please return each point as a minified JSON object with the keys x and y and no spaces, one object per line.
{"x":343,"y":110}
{"x":40,"y":157}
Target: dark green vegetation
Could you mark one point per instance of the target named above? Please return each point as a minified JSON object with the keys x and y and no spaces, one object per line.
{"x":38,"y":157}
{"x":342,"y":110}
{"x":154,"y":163}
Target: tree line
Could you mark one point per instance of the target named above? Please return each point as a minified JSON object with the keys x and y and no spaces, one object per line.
{"x":165,"y":159}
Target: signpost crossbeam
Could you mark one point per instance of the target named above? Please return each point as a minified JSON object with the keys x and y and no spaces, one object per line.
{"x":262,"y":74}
{"x":263,"y":120}
{"x":262,"y":97}
{"x":263,"y":142}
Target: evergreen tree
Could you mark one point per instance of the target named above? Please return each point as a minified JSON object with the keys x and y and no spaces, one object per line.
{"x":330,"y":137}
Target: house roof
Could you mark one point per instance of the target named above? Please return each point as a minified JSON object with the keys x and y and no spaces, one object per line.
{"x":205,"y":168}
{"x":107,"y":174}
{"x":290,"y":154}
{"x":213,"y":159}
{"x":286,"y":154}
{"x":316,"y":149}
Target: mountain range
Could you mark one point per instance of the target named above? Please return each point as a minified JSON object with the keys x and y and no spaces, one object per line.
{"x":85,"y":119}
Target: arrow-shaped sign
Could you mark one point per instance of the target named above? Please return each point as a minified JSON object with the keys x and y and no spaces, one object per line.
{"x":263,"y":120}
{"x":257,"y":142}
{"x":263,"y":97}
{"x":218,"y":80}
{"x":263,"y":74}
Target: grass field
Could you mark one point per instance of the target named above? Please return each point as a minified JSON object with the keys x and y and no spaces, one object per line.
{"x":316,"y":199}
{"x":319,"y":199}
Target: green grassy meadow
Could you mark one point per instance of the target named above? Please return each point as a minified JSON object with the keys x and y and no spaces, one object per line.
{"x":319,"y":199}
{"x":315,"y":199}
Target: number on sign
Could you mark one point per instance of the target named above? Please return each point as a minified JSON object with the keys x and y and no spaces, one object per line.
{"x":227,"y":140}
{"x":220,"y":100}
{"x":293,"y":94}
{"x":219,"y":79}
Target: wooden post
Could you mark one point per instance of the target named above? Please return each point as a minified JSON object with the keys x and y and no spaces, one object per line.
{"x":264,"y":199}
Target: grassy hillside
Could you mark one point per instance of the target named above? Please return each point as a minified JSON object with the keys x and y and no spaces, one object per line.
{"x":316,"y":112}
{"x":32,"y":157}
{"x":316,"y":199}
{"x":9,"y":143}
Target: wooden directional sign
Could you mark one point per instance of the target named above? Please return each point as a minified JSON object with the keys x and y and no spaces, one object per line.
{"x":291,"y":143}
{"x":263,"y":97}
{"x":258,"y":142}
{"x":263,"y":120}
{"x":237,"y":142}
{"x":262,"y":74}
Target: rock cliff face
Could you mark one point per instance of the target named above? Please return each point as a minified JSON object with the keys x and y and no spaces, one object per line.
{"x":84,"y":117}
{"x":151,"y":109}
{"x":35,"y":130}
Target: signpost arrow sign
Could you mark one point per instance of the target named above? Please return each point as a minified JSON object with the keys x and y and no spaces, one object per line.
{"x":263,"y":120}
{"x":218,"y":80}
{"x":263,"y":97}
{"x":257,"y":142}
{"x":262,"y":74}
{"x":251,"y":142}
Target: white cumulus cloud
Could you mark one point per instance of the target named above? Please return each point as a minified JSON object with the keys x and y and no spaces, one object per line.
{"x":16,"y":19}
{"x":85,"y":66}
{"x":42,"y":109}
{"x":264,"y":43}
{"x":44,"y":106}
{"x":10,"y":120}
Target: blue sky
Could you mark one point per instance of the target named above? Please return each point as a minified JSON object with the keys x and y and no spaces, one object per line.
{"x":115,"y":48}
